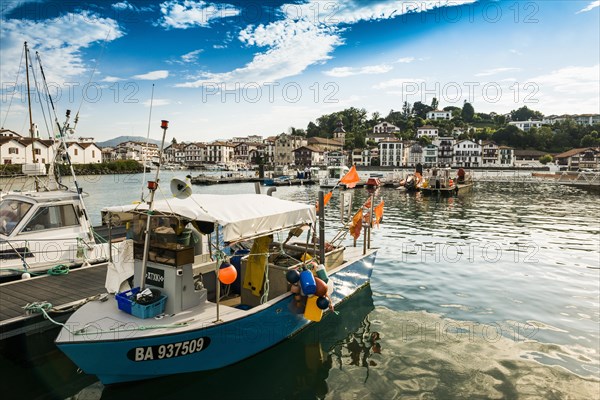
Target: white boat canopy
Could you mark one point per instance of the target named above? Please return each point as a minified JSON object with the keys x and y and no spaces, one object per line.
{"x":242,"y":216}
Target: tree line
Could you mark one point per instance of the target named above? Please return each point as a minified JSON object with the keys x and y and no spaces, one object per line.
{"x":358,"y":124}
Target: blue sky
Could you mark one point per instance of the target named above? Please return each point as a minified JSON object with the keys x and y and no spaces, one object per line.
{"x":224,"y":69}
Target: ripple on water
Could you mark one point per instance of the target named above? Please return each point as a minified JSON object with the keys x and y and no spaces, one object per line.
{"x":423,"y":355}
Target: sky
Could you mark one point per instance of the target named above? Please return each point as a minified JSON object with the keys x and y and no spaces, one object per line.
{"x":216,"y":70}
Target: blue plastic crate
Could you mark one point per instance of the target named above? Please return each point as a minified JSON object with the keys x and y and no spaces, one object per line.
{"x":149,"y":310}
{"x":125,"y":299}
{"x":126,"y":302}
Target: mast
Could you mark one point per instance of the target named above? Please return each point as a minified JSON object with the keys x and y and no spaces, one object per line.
{"x":152,"y":186}
{"x":31,"y":130}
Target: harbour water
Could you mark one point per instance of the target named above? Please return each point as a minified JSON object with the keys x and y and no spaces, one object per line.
{"x":491,"y":295}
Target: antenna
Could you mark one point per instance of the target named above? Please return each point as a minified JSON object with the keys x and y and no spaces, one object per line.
{"x":145,"y":159}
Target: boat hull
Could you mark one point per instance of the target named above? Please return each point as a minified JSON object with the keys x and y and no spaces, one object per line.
{"x":453,"y":191}
{"x":120,"y":358}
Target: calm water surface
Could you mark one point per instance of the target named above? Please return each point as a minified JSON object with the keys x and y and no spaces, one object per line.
{"x":491,"y":295}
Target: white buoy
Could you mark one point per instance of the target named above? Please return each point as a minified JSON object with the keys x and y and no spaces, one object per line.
{"x":26,"y":275}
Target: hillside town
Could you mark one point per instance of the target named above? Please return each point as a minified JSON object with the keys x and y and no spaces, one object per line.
{"x":385,"y":147}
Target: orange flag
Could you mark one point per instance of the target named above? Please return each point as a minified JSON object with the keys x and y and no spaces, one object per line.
{"x":351,"y":178}
{"x":367,"y":203}
{"x":356,"y":225}
{"x":326,"y":199}
{"x":378,"y":210}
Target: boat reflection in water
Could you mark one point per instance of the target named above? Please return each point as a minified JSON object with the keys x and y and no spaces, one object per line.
{"x":296,"y":368}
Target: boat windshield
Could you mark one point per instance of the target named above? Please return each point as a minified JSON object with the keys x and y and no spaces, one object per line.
{"x":11,"y":213}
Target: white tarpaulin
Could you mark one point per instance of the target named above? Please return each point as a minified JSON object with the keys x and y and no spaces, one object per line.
{"x":242,"y":216}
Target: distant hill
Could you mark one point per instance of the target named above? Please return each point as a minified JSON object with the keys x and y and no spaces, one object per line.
{"x":121,"y":139}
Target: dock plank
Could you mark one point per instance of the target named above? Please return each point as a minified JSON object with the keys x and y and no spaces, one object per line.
{"x":58,"y":290}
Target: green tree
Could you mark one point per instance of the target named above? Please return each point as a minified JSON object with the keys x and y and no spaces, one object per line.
{"x":468,"y":112}
{"x":545,"y":159}
{"x":435,"y":103}
{"x":420,"y":110}
{"x":406,"y":110}
{"x":543,"y":138}
{"x":173,"y":141}
{"x":590,"y":140}
{"x":525,"y":114}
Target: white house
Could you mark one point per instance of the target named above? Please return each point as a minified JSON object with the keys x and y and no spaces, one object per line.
{"x":587,"y":119}
{"x":219,"y":153}
{"x":362,"y":157}
{"x":427,"y":130}
{"x":12,"y":151}
{"x":467,"y":154}
{"x":84,"y":153}
{"x":390,"y":153}
{"x":19,"y":150}
{"x":385,"y":127}
{"x":430,"y":155}
{"x":378,"y":137}
{"x":250,"y":138}
{"x":490,"y":154}
{"x":8,"y":133}
{"x":526,"y":125}
{"x":445,"y":153}
{"x":194,"y":153}
{"x":506,"y":155}
{"x":414,"y":154}
{"x":437,"y":114}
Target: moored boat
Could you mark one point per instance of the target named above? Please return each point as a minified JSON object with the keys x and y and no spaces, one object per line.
{"x":441,"y":182}
{"x":333,"y":176}
{"x":181,"y":323}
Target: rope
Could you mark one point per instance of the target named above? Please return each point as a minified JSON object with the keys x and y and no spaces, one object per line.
{"x":60,"y":269}
{"x":45,"y":307}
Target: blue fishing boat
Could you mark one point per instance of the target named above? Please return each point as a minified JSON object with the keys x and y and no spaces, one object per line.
{"x":190,"y":250}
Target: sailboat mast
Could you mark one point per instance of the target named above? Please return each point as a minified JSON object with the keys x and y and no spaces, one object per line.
{"x":29,"y":101}
{"x":31,"y":130}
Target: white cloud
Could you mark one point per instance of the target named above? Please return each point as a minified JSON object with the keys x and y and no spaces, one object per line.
{"x":187,"y":13}
{"x":59,"y":41}
{"x":123,"y":5}
{"x":7,"y":6}
{"x":495,"y":71}
{"x":111,"y":79}
{"x":341,"y":72}
{"x":307,"y":35}
{"x":191,"y":56}
{"x":589,"y":7}
{"x":294,"y":45}
{"x":353,"y":11}
{"x":398,"y":82}
{"x":157,"y":102}
{"x":152,"y":75}
{"x":405,"y":60}
{"x":571,"y":80}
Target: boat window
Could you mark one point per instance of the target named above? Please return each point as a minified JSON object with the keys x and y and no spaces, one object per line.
{"x":52,"y":217}
{"x":11,"y":213}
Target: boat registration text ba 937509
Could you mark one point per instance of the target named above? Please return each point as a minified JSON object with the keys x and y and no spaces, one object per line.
{"x":169,"y":350}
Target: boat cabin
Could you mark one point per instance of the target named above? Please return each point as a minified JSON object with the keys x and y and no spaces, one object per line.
{"x":39,"y":230}
{"x":190,"y":239}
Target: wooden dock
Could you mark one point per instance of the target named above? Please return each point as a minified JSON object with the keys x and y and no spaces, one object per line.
{"x":213,"y":180}
{"x":62,"y":291}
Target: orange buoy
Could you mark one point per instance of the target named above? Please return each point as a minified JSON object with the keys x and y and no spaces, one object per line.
{"x":227,"y":273}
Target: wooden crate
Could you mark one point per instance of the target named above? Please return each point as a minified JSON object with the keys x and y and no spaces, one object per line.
{"x":165,"y":253}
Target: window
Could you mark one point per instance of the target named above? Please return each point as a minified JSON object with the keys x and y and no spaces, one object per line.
{"x":93,"y":153}
{"x":11,"y":213}
{"x":52,"y":217}
{"x":13,"y":150}
{"x":37,"y":151}
{"x":75,"y":152}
